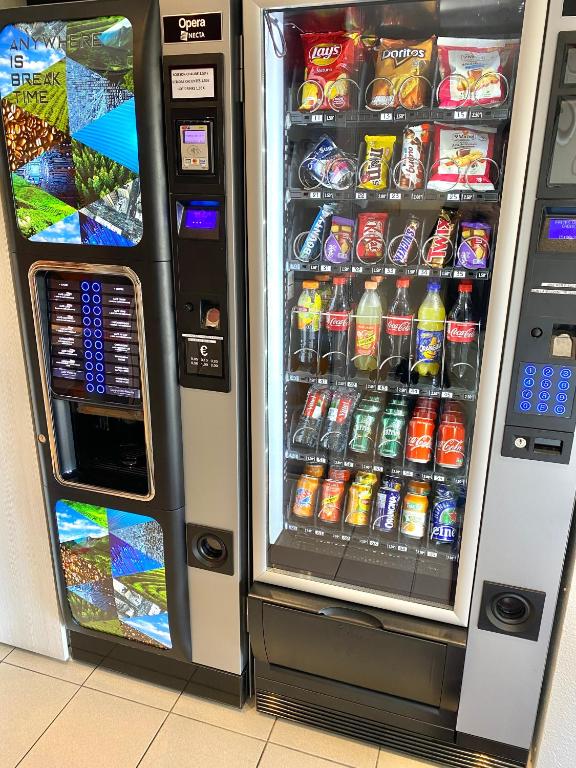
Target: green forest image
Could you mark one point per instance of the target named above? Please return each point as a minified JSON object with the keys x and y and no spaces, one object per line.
{"x":35,"y":209}
{"x":97,"y":175}
{"x":114,"y":63}
{"x":150,"y":584}
{"x":53,"y":83}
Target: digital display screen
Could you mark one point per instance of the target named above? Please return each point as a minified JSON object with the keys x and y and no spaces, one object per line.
{"x":194,"y":137}
{"x":562,"y":229}
{"x":200,"y":218}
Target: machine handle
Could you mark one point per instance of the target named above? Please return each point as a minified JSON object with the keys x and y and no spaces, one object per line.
{"x":352,"y":616}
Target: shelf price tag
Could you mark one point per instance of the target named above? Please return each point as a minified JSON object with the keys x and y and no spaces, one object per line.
{"x":315,"y":195}
{"x":453,"y":196}
{"x":395,"y":196}
{"x":316,"y":118}
{"x":361,"y":196}
{"x":386,"y":116}
{"x":460,"y":114}
{"x":402,"y":548}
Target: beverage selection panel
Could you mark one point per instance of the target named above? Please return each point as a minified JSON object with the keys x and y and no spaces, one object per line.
{"x":393,"y":137}
{"x":545,"y":390}
{"x":93,"y":334}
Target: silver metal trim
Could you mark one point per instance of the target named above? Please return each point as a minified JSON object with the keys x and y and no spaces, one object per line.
{"x":106,"y":269}
{"x":534,"y":20}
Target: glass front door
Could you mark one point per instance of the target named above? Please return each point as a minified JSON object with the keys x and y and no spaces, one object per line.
{"x":386,"y":136}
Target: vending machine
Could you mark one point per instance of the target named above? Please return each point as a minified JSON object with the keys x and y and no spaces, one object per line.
{"x":124,"y":264}
{"x":407,"y":549}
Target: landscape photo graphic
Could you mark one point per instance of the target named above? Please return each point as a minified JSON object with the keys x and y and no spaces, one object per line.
{"x":114,"y":569}
{"x":68,"y":111}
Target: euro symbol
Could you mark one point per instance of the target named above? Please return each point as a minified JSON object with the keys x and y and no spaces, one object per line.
{"x":204,"y":350}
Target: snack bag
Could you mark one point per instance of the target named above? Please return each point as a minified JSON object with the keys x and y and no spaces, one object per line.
{"x":331,"y":60}
{"x":474,"y":72}
{"x":461,"y":155}
{"x":338,"y":245}
{"x":400,"y":66}
{"x":328,"y":165}
{"x":409,"y":174}
{"x":474,"y":246}
{"x":374,"y":169}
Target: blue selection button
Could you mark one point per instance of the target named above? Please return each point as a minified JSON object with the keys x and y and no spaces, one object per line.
{"x":527,"y":394}
{"x":541,"y":407}
{"x":85,"y":298}
{"x":525,"y":405}
{"x":96,"y":287}
{"x":546,"y":383}
{"x":89,"y":366}
{"x":548,"y":371}
{"x":100,"y":378}
{"x":544,"y":396}
{"x":85,"y":285}
{"x":100,"y":389}
{"x":563,"y":386}
{"x":530,"y":370}
{"x":561,"y":397}
{"x":89,"y":377}
{"x":529,"y":382}
{"x":565,"y":373}
{"x":559,"y":410}
{"x":90,"y":388}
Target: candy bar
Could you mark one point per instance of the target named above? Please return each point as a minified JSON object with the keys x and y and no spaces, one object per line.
{"x":312,"y":246}
{"x":409,"y":174}
{"x":338,"y":246}
{"x":374,"y":169}
{"x":440,"y":249}
{"x":371,"y":237}
{"x":474,"y":245}
{"x":403,"y":248}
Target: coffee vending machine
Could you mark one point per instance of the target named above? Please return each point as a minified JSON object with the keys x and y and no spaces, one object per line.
{"x":120,"y":192}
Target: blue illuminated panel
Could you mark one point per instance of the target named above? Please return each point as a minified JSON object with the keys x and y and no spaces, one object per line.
{"x":545,"y":390}
{"x":94,"y":351}
{"x":201,"y":218}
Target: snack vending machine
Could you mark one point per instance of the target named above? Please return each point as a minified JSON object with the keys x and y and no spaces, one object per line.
{"x":379,"y":280}
{"x":88,"y":200}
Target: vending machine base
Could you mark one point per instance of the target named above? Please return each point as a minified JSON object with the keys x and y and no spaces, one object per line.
{"x":389,"y":679}
{"x":207,"y":682}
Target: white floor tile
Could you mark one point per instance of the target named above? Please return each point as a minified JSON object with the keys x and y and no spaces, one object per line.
{"x":96,"y":731}
{"x":72,"y":670}
{"x":355,"y":754}
{"x":29,"y":702}
{"x":188,"y":744}
{"x":117,"y":678}
{"x":394,"y":760}
{"x":247,"y":720}
{"x":280,"y":757}
{"x":4,"y":650}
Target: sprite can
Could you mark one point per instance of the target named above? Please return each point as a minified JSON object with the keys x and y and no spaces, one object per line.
{"x":365,"y":425}
{"x":391,"y":442}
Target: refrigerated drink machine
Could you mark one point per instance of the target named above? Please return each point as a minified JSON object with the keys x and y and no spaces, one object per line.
{"x":412,"y":473}
{"x":128,"y":462}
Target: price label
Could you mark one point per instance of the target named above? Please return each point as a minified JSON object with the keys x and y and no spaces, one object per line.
{"x":408,"y":473}
{"x":424,"y":272}
{"x":308,"y":530}
{"x":349,"y":464}
{"x":432,"y":554}
{"x":402,"y":548}
{"x":373,"y":543}
{"x":482,"y":275}
{"x":376,"y":270}
{"x":329,"y":118}
{"x":352,"y":384}
{"x":322,"y":381}
{"x":345,"y":538}
{"x":447,"y":395}
{"x":401,"y":116}
{"x":395,"y":195}
{"x":417,"y":195}
{"x":476,"y":114}
{"x":389,"y":270}
{"x":453,"y":196}
{"x":313,"y":267}
{"x":315,"y":195}
{"x":325,"y":268}
{"x":386,"y":116}
{"x":382,"y":196}
{"x":413,"y":391}
{"x":357,"y":270}
{"x":439,"y":478}
{"x":378,"y":468}
{"x":316,"y":118}
{"x":361,"y":196}
{"x":292,"y":377}
{"x":460,"y":114}
{"x":329,"y":195}
{"x":292,"y":527}
{"x":319,"y":533}
{"x":459,"y":273}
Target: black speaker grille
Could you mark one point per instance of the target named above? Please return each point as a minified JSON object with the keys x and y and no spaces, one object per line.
{"x":385,"y":736}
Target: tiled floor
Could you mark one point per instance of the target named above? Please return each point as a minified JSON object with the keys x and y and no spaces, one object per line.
{"x":82,"y":715}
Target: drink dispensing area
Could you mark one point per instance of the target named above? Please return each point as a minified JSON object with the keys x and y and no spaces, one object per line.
{"x":295,"y":288}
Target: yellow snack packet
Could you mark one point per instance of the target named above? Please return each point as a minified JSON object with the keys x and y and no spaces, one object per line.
{"x":400,"y":67}
{"x":376,"y":166}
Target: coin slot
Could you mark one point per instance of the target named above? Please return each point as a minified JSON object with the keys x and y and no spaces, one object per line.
{"x":547,"y":445}
{"x":510,"y":608}
{"x":212,"y":549}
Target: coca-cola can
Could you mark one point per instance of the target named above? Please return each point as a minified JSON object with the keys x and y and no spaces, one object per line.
{"x":451,"y":442}
{"x":419,"y":442}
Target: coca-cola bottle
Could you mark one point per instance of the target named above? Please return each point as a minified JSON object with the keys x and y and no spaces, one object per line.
{"x":461,"y":334}
{"x":336,"y":326}
{"x":398,"y":330}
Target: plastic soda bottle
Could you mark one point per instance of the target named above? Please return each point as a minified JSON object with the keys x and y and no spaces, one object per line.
{"x":430,"y":332}
{"x":309,"y":308}
{"x":368,"y":322}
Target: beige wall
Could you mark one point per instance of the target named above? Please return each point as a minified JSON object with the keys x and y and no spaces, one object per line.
{"x":29,"y":612}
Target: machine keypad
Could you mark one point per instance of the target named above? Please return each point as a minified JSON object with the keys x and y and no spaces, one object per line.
{"x":544,"y":390}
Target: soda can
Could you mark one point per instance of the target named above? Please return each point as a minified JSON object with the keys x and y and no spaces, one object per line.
{"x":392,"y":433}
{"x":450,"y":443}
{"x":444,"y":517}
{"x":420,"y":439}
{"x":305,"y":497}
{"x":415,"y":511}
{"x":387,"y":508}
{"x":332,"y":501}
{"x":363,"y":430}
{"x":359,"y":504}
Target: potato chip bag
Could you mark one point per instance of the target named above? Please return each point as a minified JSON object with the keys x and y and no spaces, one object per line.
{"x":400,"y":67}
{"x":331,"y":59}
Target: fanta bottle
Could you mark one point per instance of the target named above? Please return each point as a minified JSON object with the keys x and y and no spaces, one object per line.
{"x":368,"y":322}
{"x":430,"y":332}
